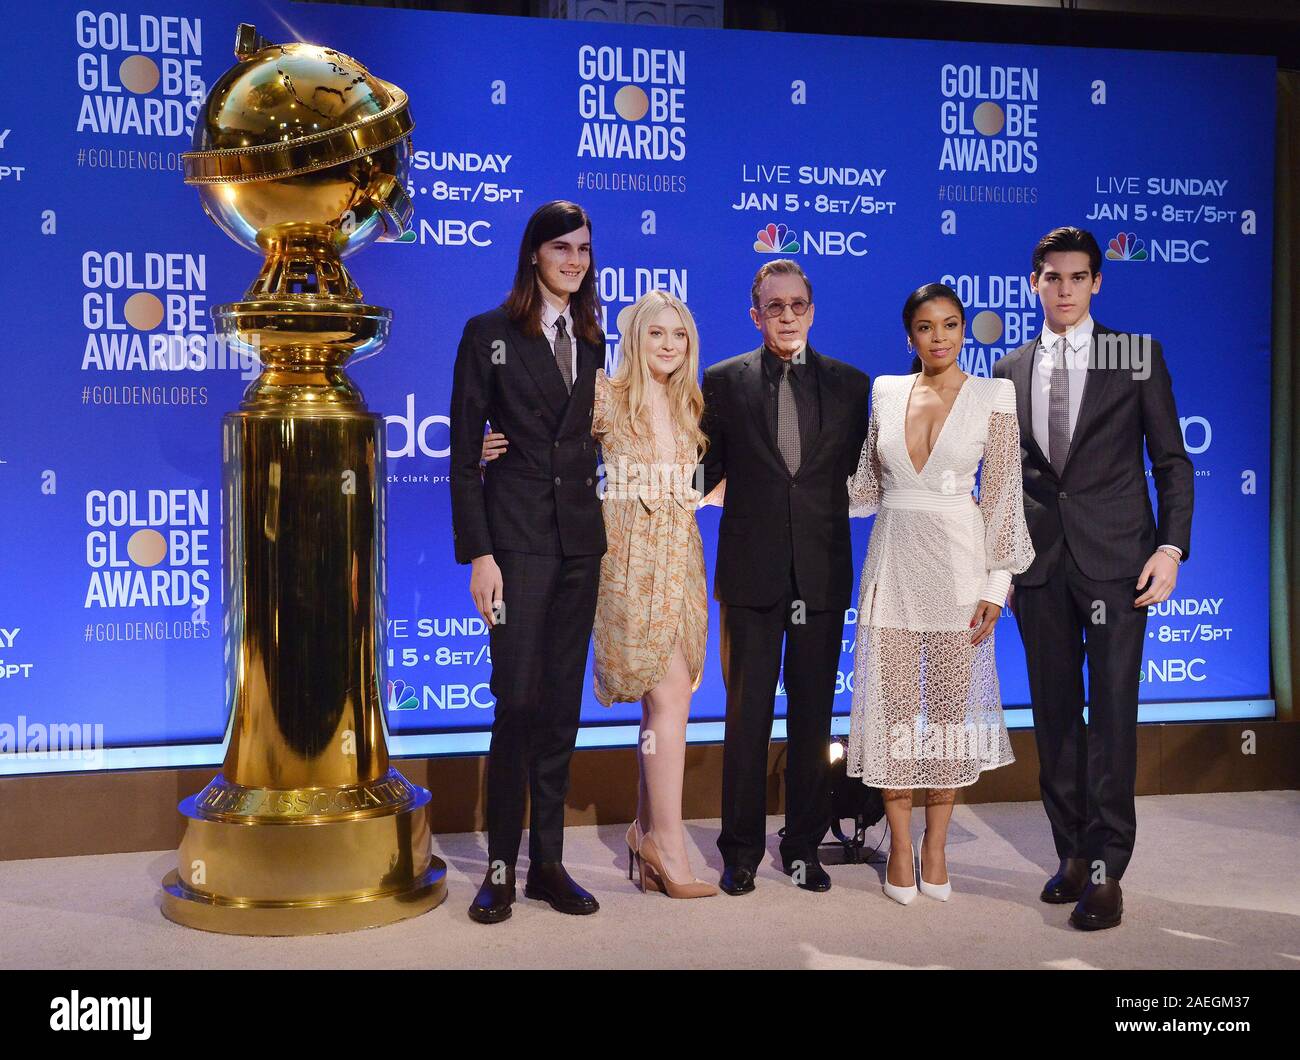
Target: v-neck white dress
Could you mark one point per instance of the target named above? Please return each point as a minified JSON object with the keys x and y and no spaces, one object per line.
{"x":927,"y":711}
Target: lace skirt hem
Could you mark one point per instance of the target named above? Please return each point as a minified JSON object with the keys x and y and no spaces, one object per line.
{"x":884,"y":783}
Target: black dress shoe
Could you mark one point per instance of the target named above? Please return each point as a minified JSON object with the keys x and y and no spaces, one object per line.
{"x":736,"y":880}
{"x":811,"y":876}
{"x":1101,"y":906}
{"x":1067,"y":885}
{"x":548,"y":882}
{"x":492,"y":903}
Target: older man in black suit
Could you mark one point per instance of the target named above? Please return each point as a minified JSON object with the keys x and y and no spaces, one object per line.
{"x":1089,"y":399}
{"x":786,"y":426}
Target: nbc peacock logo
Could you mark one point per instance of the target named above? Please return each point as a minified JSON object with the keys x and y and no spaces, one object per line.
{"x":1125,"y":246}
{"x":401,"y":696}
{"x":776,"y":239}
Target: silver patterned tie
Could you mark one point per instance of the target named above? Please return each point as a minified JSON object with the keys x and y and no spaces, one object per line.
{"x":564,"y":353}
{"x":1058,"y":411}
{"x":787,"y":422}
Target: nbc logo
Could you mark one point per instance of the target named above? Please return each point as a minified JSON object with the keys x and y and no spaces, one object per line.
{"x":1126,"y":247}
{"x":447,"y":232}
{"x":401,"y":696}
{"x":776,"y":239}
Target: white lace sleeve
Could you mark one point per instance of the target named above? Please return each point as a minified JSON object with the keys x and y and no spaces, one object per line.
{"x":1007,"y":545}
{"x":864,"y":484}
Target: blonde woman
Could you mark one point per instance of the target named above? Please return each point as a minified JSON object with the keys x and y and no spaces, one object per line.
{"x":652,"y":608}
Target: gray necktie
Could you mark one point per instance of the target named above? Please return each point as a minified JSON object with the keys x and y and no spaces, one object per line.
{"x":1058,"y":411}
{"x":787,"y":422}
{"x":564,"y":353}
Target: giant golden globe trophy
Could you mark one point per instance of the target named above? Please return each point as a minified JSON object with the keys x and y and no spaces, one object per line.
{"x":300,"y":154}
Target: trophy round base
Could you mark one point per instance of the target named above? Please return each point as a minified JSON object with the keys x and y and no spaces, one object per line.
{"x":304,"y":878}
{"x":227,"y":917}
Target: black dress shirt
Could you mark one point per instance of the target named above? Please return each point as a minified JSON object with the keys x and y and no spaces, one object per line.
{"x":807,"y":397}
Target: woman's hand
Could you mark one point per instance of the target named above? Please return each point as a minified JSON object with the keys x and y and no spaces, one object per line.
{"x":717,"y":496}
{"x":494,"y":444}
{"x":985,"y":618}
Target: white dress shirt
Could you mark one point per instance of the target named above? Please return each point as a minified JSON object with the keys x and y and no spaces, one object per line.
{"x":549,"y":316}
{"x":1078,"y":347}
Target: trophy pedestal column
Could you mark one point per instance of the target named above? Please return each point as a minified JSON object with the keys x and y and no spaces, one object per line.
{"x":307,"y":829}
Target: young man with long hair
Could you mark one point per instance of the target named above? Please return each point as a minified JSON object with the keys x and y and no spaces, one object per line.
{"x":530,"y":526}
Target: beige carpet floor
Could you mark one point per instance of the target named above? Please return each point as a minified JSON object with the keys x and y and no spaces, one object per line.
{"x":1215,"y":883}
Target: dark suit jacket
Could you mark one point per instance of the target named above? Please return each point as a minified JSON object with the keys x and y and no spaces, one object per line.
{"x":770,"y":519}
{"x":540,"y":496}
{"x":1100,"y":504}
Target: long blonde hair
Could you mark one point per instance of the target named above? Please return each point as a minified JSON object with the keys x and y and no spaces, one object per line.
{"x":632,"y":378}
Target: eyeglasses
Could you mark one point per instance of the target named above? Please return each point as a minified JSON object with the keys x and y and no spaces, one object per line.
{"x":775,"y":309}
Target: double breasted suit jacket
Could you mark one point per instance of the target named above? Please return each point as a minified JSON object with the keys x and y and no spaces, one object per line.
{"x":540,"y":496}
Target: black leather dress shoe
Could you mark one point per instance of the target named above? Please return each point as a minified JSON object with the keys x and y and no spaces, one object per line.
{"x":1101,"y":906}
{"x":1067,"y":885}
{"x":492,"y":903}
{"x":548,"y":882}
{"x":736,"y":880}
{"x":809,"y":875}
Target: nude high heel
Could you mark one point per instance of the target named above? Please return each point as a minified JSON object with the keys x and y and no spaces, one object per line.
{"x":654,"y":878}
{"x":633,"y":839}
{"x":941,"y":891}
{"x":901,"y":895}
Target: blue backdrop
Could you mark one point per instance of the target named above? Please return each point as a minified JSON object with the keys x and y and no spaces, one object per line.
{"x":878,"y":164}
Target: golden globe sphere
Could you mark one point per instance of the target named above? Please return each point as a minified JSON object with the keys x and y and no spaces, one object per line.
{"x":298,"y":134}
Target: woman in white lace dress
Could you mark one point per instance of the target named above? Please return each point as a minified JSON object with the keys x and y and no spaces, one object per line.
{"x":926,"y":707}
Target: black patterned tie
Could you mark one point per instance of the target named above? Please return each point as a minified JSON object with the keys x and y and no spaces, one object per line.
{"x":564,"y":353}
{"x":787,"y":422}
{"x":1058,"y":411}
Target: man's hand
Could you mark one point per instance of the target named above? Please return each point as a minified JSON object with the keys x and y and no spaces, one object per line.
{"x":985,"y":618}
{"x":485,"y":587}
{"x":1162,"y":569}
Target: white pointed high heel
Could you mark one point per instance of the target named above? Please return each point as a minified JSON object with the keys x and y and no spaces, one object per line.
{"x":940,"y":891}
{"x":901,"y":895}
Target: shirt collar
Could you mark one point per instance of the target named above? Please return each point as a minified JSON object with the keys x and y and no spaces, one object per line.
{"x":1078,"y":339}
{"x":550,"y":314}
{"x":772,"y":364}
